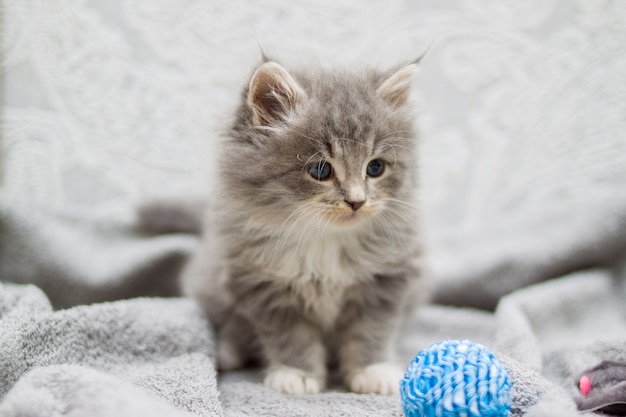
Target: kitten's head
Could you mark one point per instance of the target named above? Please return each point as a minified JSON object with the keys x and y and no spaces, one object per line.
{"x":333,"y":149}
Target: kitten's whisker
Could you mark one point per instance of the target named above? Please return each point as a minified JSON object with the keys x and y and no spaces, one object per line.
{"x":281,"y":234}
{"x":398,"y":201}
{"x":402,"y":139}
{"x":398,"y":221}
{"x":395,"y":132}
{"x":328,"y":220}
{"x":395,"y":156}
{"x":309,"y":160}
{"x":293,"y":213}
{"x":305,"y":214}
{"x":319,"y":142}
{"x":393,"y":146}
{"x":304,"y":230}
{"x":357,"y":142}
{"x":319,"y":223}
{"x":403,"y":216}
{"x":312,"y":139}
{"x":384,"y":222}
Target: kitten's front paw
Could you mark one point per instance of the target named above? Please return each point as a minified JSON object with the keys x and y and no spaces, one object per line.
{"x":379,"y":378}
{"x":292,"y":381}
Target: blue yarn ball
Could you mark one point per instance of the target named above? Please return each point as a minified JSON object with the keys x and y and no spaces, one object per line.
{"x":456,"y":378}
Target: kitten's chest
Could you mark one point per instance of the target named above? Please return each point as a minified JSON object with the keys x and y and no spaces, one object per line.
{"x":326,"y":261}
{"x":319,"y":271}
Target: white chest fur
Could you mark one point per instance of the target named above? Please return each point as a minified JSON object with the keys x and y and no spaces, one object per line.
{"x":319,"y":269}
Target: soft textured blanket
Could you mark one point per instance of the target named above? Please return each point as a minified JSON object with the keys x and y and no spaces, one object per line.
{"x":104,"y":103}
{"x":68,"y":348}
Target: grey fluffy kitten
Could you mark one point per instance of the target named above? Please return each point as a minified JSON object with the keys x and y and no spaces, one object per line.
{"x":311,"y":256}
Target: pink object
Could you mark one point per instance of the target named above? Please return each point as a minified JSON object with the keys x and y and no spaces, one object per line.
{"x":585,"y":385}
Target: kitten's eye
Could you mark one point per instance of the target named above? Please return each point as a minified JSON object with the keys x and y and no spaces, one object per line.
{"x":321,"y":170}
{"x":375,"y":168}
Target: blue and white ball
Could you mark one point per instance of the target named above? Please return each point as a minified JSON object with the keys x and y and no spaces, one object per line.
{"x":456,"y":378}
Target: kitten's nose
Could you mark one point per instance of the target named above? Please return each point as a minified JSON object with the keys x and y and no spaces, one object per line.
{"x":355,"y":205}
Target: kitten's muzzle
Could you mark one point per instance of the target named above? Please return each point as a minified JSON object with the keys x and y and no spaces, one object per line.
{"x":355,"y":204}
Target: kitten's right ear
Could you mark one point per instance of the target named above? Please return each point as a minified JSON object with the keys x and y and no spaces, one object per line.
{"x":272,"y":95}
{"x":396,"y":88}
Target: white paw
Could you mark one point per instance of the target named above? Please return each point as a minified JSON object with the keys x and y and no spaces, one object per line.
{"x":292,"y":381}
{"x":379,"y":378}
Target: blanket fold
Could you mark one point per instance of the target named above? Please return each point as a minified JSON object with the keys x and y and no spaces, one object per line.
{"x":144,"y":353}
{"x":79,"y":259}
{"x":477,"y":267}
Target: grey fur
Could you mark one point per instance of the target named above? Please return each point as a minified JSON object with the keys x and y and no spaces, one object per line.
{"x":608,"y":389}
{"x":288,"y":270}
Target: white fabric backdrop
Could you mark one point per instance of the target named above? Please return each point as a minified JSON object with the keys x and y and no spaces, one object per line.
{"x":106,"y":102}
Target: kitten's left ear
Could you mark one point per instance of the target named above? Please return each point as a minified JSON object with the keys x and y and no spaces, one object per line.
{"x":396,"y":88}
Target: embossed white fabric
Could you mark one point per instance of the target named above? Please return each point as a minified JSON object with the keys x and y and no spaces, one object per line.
{"x":106,"y":102}
{"x":523,"y":133}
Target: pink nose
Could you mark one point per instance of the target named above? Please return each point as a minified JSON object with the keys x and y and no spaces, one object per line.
{"x":355,"y":205}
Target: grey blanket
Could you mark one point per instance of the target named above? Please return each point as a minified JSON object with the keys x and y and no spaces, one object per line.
{"x":91,"y":324}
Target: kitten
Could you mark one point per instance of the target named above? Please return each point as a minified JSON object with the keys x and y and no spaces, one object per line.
{"x":312,"y":254}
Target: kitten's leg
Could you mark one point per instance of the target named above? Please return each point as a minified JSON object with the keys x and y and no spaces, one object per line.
{"x":367,"y":330}
{"x":367,"y":361}
{"x":296,"y":359}
{"x":236,"y":344}
{"x":293,"y":348}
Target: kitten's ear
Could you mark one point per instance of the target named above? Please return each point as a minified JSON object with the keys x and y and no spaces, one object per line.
{"x":272,"y":94}
{"x":396,"y":88}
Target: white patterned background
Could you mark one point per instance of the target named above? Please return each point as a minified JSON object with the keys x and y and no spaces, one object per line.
{"x":107,"y":102}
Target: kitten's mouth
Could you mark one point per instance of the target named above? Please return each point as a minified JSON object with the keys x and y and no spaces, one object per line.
{"x":347,"y":218}
{"x":350,"y":216}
